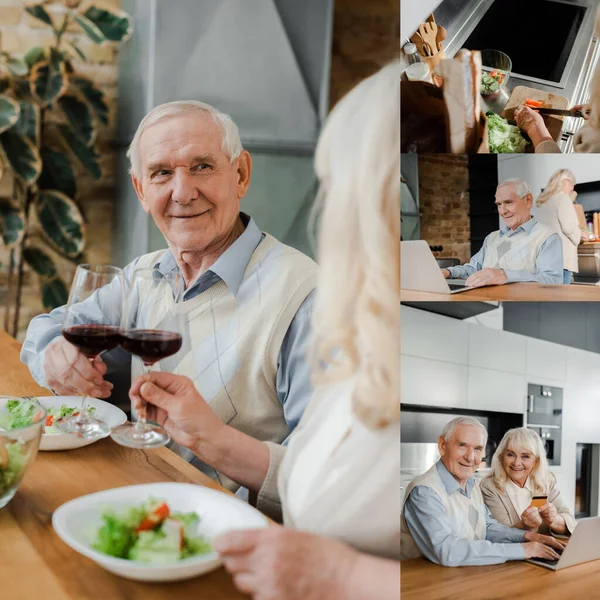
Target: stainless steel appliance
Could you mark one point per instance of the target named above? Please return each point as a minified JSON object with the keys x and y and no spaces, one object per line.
{"x":588,"y":258}
{"x":544,"y":416}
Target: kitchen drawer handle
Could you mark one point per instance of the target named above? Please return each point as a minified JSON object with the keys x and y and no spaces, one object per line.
{"x":595,"y":254}
{"x":544,"y":426}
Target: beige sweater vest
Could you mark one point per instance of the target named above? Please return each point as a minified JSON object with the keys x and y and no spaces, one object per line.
{"x":516,"y":253}
{"x":234,"y":341}
{"x":457,"y":508}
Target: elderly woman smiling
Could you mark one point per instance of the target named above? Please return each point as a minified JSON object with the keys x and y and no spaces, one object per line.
{"x":519,"y":473}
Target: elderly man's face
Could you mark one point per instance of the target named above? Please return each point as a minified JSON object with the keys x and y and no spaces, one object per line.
{"x":463,"y":452}
{"x":188,"y":184}
{"x":514,"y":211}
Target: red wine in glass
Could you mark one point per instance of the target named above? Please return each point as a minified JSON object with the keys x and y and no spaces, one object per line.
{"x":93,"y":339}
{"x":151,"y":345}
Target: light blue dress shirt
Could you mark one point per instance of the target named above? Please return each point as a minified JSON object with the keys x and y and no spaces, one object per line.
{"x":293,"y":373}
{"x":548,"y":265}
{"x":430,"y":528}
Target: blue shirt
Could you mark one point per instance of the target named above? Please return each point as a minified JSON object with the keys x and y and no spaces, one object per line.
{"x":548,"y":265}
{"x":430,"y":528}
{"x":293,"y":373}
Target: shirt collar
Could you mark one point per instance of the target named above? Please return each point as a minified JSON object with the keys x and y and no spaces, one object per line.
{"x":526,"y":227}
{"x":231,"y":265}
{"x":450,"y":483}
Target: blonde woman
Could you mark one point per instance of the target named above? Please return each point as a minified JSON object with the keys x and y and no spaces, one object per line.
{"x":519,"y":473}
{"x":555,"y":210}
{"x":337,"y":483}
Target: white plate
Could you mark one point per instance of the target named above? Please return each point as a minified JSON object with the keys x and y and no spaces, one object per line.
{"x":106,"y":412}
{"x":78,"y":521}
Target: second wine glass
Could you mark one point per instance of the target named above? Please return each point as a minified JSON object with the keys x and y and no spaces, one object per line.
{"x":154,"y":329}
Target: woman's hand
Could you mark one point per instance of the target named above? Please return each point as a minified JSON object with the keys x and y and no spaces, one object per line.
{"x":531,"y":518}
{"x":532,"y":124}
{"x":584,"y":108}
{"x":278,"y":563}
{"x":174,"y":403}
{"x":552,"y":519}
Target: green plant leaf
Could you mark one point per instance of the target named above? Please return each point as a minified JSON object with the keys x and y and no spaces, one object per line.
{"x":94,"y":97}
{"x":115,"y":25}
{"x":57,"y":173}
{"x":78,"y":50}
{"x":54,"y":293}
{"x":9,"y":113}
{"x":16,"y":66}
{"x":62,"y":222}
{"x":39,"y":12}
{"x":48,"y":81}
{"x":80,"y":117}
{"x":34,"y":56}
{"x":93,"y":32}
{"x":29,"y":124}
{"x":40,"y":262}
{"x":22,"y":156}
{"x":12,"y":223}
{"x":86,"y":155}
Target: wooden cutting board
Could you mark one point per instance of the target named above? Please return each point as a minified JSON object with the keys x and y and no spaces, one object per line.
{"x":521,"y":93}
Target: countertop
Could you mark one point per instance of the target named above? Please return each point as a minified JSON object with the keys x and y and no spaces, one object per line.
{"x":460,"y":17}
{"x":512,"y":292}
{"x":423,"y":580}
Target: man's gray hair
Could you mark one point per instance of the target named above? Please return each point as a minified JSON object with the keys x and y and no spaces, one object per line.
{"x":521,"y":186}
{"x":457,"y":422}
{"x":231,"y":143}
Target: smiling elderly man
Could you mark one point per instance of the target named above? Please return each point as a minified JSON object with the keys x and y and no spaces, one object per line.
{"x":248,"y":296}
{"x":445,"y":519}
{"x":522,"y":250}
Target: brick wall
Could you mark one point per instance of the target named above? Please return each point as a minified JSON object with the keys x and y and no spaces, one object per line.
{"x":366,"y":36}
{"x":444,"y":204}
{"x":18,"y":33}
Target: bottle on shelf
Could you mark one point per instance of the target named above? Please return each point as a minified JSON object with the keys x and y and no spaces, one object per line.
{"x":417,"y":69}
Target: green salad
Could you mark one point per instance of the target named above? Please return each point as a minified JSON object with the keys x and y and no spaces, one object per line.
{"x":502,"y":137}
{"x":151,"y":533}
{"x":21,"y":413}
{"x":12,"y":463}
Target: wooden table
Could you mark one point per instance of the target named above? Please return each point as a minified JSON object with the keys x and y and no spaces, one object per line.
{"x":423,"y":580}
{"x":34,"y":562}
{"x":512,"y":292}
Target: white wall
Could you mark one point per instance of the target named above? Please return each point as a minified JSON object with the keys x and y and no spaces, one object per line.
{"x":536,"y":169}
{"x":488,"y":369}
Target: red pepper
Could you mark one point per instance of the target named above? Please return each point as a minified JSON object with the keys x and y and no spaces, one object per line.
{"x":157,"y":516}
{"x":49,"y":420}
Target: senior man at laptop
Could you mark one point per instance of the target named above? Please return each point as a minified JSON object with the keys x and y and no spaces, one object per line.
{"x":522,"y":250}
{"x":445,"y":519}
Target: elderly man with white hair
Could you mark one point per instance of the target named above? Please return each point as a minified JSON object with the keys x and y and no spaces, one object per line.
{"x":247,"y":296}
{"x":444,"y":517}
{"x":522,"y":250}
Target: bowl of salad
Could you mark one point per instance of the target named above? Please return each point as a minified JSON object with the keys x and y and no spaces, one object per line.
{"x":20,"y":411}
{"x":18,"y":446}
{"x":495,"y":72}
{"x":153,"y":532}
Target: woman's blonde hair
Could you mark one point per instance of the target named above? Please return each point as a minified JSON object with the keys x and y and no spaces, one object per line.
{"x":522,"y":439}
{"x":555,"y":185}
{"x":356,"y":316}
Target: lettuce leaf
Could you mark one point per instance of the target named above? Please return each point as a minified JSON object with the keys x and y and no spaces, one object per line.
{"x":502,"y":137}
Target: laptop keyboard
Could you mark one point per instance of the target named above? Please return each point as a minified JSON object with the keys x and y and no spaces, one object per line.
{"x":546,"y":561}
{"x":455,"y":286}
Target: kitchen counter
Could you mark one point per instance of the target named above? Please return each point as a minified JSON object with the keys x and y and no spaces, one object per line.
{"x":516,"y":579}
{"x":512,"y":292}
{"x":460,"y":17}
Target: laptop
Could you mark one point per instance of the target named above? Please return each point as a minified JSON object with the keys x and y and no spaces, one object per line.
{"x":582,"y":547}
{"x":419,"y":271}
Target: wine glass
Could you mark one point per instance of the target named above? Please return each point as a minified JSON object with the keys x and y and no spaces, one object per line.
{"x":92,"y":323}
{"x":153,"y":330}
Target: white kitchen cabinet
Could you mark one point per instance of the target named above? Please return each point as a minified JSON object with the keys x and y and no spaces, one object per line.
{"x":433,"y":383}
{"x":432,"y":336}
{"x":496,"y":349}
{"x":498,"y":391}
{"x":545,"y":360}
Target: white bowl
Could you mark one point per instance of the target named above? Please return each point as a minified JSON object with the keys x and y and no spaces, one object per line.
{"x":77,"y":522}
{"x":106,"y":412}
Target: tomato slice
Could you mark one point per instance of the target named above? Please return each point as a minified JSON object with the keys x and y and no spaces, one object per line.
{"x":49,"y":420}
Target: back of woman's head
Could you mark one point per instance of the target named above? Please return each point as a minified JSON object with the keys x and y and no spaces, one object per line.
{"x":518,"y":440}
{"x":555,"y":184}
{"x":356,"y":314}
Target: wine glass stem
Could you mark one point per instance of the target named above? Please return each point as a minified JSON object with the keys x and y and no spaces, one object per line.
{"x":141,"y":420}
